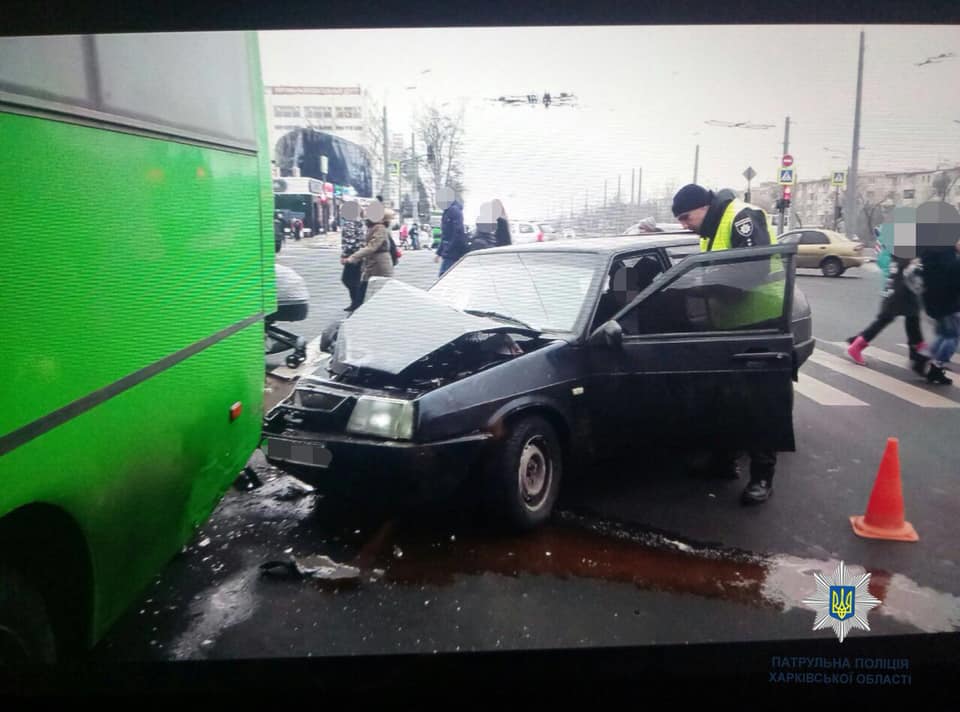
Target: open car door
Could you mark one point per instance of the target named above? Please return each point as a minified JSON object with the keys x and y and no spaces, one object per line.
{"x":705,"y":358}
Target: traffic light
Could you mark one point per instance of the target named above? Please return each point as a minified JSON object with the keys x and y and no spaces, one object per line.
{"x":783,"y":203}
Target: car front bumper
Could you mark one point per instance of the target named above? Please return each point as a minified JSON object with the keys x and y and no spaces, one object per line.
{"x":344,"y":461}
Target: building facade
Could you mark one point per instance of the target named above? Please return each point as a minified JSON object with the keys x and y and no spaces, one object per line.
{"x":346,"y":112}
{"x":814,"y":202}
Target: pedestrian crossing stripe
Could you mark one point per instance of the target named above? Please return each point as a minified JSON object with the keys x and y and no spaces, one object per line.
{"x":884,"y":356}
{"x":888,"y":384}
{"x":824,"y":394}
{"x":954,"y":359}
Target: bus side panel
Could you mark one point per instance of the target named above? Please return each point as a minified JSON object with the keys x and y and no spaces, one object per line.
{"x":117,"y":251}
{"x":142,"y":470}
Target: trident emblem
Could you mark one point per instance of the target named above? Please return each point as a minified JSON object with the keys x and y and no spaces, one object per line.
{"x":841,"y":602}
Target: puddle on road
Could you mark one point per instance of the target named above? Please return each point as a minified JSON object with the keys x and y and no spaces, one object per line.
{"x":405,"y":552}
{"x":578,"y":547}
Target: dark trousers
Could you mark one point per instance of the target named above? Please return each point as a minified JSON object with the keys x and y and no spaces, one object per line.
{"x":888,"y":313}
{"x":351,"y":280}
{"x":762,"y":463}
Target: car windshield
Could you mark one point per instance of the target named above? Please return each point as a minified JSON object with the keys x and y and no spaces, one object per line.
{"x":547,"y":228}
{"x":546,"y":291}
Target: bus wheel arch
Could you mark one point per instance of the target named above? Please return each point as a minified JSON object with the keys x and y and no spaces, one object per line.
{"x":45,"y":557}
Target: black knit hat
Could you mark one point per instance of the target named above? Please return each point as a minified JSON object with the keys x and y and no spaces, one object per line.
{"x":691,"y":197}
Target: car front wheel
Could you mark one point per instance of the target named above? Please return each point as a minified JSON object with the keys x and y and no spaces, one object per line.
{"x":831,"y":267}
{"x":524,"y":475}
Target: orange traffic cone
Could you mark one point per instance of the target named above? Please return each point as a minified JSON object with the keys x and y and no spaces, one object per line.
{"x":884,"y":517}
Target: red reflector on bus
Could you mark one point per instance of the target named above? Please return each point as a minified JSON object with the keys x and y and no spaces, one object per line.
{"x":235,"y":410}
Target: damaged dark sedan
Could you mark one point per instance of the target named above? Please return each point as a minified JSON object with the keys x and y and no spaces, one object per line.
{"x":525,"y":362}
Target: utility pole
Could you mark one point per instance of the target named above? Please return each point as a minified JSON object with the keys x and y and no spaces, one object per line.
{"x":786,"y":150}
{"x":633,"y":183}
{"x":385,"y":190}
{"x":696,"y":163}
{"x":639,"y":185}
{"x":416,"y":177}
{"x":849,"y":222}
{"x":604,"y":192}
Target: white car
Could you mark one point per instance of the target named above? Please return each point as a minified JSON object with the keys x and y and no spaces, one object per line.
{"x":522,"y":232}
{"x":549,"y":232}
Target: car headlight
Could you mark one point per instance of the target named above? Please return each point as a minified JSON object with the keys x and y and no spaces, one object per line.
{"x":383,"y":417}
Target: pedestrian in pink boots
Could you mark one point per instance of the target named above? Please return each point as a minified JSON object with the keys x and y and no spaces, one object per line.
{"x":898,"y":300}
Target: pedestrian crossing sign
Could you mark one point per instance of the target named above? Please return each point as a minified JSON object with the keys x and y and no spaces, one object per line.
{"x":787,"y":176}
{"x":839,"y":178}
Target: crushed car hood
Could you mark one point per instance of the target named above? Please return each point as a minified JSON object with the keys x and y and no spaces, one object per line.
{"x":400,"y":324}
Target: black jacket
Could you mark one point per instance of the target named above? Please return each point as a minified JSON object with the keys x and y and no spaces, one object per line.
{"x":453,"y":238}
{"x":898,"y":299}
{"x":941,"y":281}
{"x":503,"y":233}
{"x":481,"y":240}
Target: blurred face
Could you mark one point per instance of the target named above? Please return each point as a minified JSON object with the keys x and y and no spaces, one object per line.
{"x":693,"y":219}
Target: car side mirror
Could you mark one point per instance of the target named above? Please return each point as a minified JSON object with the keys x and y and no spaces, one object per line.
{"x":609,"y":334}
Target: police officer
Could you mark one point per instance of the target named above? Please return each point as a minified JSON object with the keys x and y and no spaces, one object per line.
{"x":725,"y":223}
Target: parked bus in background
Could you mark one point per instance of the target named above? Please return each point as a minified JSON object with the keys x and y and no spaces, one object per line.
{"x":136,"y":264}
{"x":302,"y":198}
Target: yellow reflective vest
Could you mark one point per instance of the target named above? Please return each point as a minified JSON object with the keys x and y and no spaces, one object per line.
{"x":757,"y":303}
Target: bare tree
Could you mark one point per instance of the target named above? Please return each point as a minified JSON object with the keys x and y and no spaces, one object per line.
{"x":373,"y":142}
{"x":943,"y":184}
{"x":441,"y":135}
{"x":873,"y":212}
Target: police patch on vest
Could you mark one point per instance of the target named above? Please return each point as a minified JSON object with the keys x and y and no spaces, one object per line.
{"x":744,"y":227}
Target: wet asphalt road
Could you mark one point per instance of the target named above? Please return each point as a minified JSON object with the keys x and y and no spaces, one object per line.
{"x":639,"y":553}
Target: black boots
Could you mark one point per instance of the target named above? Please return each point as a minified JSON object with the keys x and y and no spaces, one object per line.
{"x":936,"y":375}
{"x":757,"y":492}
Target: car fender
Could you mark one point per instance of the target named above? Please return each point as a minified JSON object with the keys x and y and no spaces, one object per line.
{"x":556,"y":411}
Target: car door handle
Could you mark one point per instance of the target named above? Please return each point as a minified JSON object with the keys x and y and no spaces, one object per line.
{"x":761,"y":356}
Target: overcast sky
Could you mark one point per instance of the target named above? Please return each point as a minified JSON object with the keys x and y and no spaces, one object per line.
{"x":644,"y":94}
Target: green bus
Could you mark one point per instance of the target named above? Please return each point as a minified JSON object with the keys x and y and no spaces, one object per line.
{"x":136,"y":266}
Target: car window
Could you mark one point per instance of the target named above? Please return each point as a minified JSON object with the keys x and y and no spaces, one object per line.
{"x":814,"y":238}
{"x":730,"y":296}
{"x":547,"y":291}
{"x":790,"y":239}
{"x":525,"y":228}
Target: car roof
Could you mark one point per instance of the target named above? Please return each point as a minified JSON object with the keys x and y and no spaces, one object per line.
{"x":832,"y":234}
{"x":606,"y":245}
